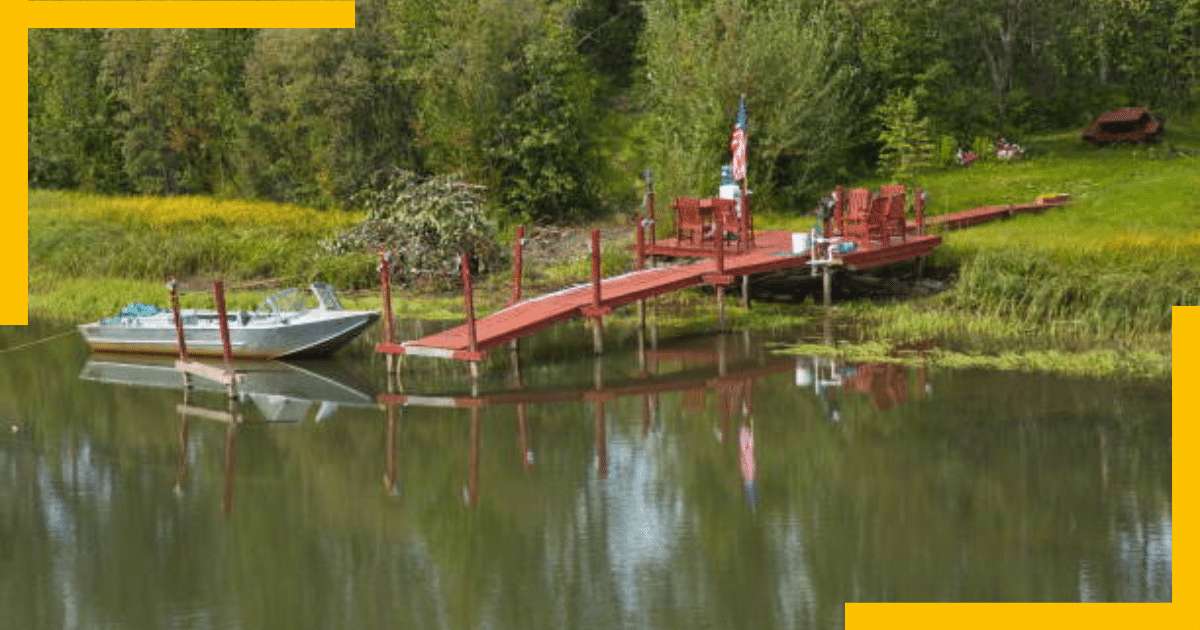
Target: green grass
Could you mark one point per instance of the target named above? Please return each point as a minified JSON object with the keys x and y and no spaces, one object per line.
{"x":1111,"y":264}
{"x":144,"y":238}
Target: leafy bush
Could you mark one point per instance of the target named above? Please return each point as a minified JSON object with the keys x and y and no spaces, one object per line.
{"x":427,"y":224}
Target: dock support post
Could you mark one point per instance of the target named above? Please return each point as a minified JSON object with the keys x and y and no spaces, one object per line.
{"x":598,"y":327}
{"x":641,"y":265}
{"x":223,"y":325}
{"x":518,"y":264}
{"x":649,"y":177}
{"x":173,"y":285}
{"x":827,"y":285}
{"x":746,"y":291}
{"x":719,"y":240}
{"x":469,"y":307}
{"x":919,"y":209}
{"x":385,"y":283}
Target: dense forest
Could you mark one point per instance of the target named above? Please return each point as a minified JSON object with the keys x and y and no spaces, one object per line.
{"x":555,"y":106}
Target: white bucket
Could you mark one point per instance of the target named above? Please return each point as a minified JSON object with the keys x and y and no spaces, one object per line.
{"x":800,"y":242}
{"x":730,"y":191}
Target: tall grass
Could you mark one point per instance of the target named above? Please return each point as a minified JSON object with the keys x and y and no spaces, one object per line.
{"x":149,"y":238}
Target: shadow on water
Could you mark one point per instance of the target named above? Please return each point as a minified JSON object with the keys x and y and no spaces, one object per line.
{"x":697,"y":480}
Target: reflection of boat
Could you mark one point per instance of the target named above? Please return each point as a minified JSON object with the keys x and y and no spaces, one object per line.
{"x":283,"y":392}
{"x":285,"y":325}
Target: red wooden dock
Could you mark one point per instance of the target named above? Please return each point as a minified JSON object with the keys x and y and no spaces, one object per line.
{"x":772,"y":251}
{"x":876,"y":225}
{"x":975,"y":216}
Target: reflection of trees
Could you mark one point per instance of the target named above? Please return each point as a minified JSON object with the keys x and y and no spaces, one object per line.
{"x":1007,"y":487}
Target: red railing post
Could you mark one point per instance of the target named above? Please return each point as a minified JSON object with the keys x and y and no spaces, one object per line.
{"x":173,"y":285}
{"x":469,"y":302}
{"x":385,"y":280}
{"x":518,"y":264}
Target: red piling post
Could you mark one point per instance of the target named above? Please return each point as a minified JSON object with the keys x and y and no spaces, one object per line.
{"x":596,"y":268}
{"x":919,"y":206}
{"x":719,"y":241}
{"x":223,"y":323}
{"x":385,"y":281}
{"x":518,"y":264}
{"x":838,"y":209}
{"x":173,"y":285}
{"x":650,"y":207}
{"x":641,"y":242}
{"x":469,"y":303}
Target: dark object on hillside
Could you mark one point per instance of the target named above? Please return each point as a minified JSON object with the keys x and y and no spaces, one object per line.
{"x":1128,"y":124}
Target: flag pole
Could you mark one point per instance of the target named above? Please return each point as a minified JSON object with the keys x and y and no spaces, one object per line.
{"x":746,"y":230}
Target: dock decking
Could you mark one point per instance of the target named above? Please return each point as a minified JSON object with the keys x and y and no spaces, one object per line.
{"x":771,"y":252}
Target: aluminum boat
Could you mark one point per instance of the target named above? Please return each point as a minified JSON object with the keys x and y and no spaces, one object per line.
{"x":287,"y":324}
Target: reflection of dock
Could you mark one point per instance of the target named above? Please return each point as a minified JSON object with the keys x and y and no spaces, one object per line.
{"x":702,"y":371}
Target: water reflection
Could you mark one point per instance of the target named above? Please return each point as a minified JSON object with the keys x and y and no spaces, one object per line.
{"x":705,"y":481}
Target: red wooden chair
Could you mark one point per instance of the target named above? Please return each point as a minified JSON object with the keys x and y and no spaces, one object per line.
{"x":725,"y":215}
{"x":854,"y":222}
{"x":897,"y":225}
{"x":688,"y":219}
{"x":877,"y":219}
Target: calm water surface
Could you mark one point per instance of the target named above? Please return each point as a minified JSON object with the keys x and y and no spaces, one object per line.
{"x":705,"y":484}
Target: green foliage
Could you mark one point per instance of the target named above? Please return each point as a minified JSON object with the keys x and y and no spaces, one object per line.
{"x":520,"y":111}
{"x":427,"y":224}
{"x":907,"y":140}
{"x":785,"y":57}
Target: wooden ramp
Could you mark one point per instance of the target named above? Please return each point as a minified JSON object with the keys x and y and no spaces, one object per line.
{"x":975,"y":216}
{"x":771,"y":252}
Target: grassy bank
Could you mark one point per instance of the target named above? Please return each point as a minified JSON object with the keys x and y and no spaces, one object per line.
{"x":1109,"y":266}
{"x":1099,"y":275}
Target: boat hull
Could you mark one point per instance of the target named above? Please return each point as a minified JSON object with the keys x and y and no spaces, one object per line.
{"x":316,"y":334}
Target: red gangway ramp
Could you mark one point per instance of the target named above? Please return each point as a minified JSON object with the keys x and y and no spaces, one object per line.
{"x":772,"y":252}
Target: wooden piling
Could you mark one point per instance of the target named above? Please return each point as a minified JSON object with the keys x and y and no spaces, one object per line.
{"x":469,"y":307}
{"x":827,"y":284}
{"x":385,"y":283}
{"x":719,"y":240}
{"x":919,"y":209}
{"x":518,"y":264}
{"x":173,"y":285}
{"x":223,"y":325}
{"x":598,"y":326}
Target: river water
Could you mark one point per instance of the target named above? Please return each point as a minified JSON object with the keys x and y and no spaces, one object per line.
{"x":702,"y":483}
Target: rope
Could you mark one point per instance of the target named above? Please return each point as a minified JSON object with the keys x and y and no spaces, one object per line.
{"x":34,"y":343}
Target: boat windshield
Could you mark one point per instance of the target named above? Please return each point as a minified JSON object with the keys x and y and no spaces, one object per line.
{"x":326,"y":296}
{"x":286,"y":301}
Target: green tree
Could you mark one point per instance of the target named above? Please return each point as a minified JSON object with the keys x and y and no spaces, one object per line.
{"x":508,"y":101}
{"x":906,"y":136}
{"x":72,"y":140}
{"x":328,"y":109}
{"x":786,"y":59}
{"x":180,"y":96}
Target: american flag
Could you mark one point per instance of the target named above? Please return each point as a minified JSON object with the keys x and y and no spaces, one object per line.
{"x":738,"y":144}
